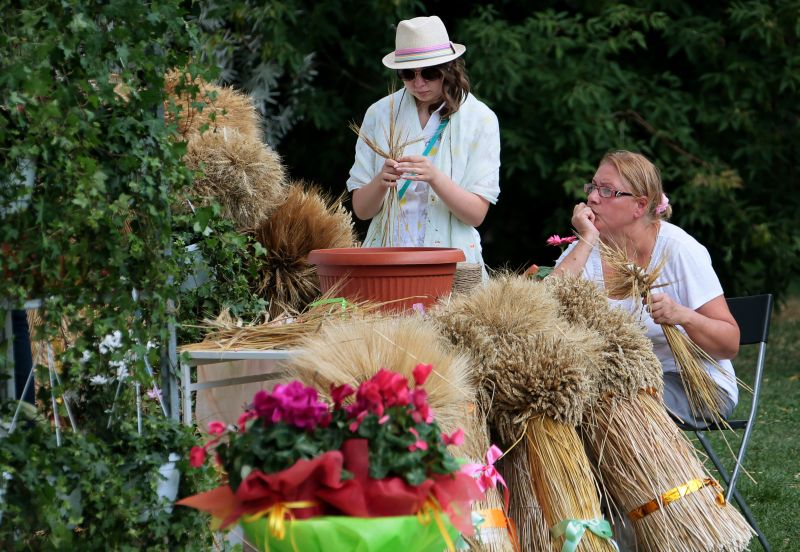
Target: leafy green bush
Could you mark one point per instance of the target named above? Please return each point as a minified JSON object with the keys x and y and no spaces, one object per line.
{"x":99,"y":494}
{"x":89,"y":168}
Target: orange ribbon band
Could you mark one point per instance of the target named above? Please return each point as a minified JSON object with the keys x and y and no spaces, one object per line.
{"x":676,"y":494}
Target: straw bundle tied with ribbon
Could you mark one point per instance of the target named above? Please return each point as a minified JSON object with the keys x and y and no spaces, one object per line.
{"x":352,"y":351}
{"x":535,"y":376}
{"x":395,"y":140}
{"x":646,"y":464}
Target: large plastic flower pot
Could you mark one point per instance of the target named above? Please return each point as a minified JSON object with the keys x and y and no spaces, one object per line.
{"x":398,"y":276}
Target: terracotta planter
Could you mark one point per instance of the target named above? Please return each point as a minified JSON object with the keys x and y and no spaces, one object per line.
{"x":411,"y":274}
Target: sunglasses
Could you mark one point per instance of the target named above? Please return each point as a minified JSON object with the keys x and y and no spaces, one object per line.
{"x":604,"y":191}
{"x":428,"y":74}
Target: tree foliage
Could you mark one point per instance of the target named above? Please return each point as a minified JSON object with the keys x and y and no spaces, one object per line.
{"x":708,"y":91}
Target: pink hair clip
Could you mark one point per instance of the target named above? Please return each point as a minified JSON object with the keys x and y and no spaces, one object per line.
{"x":663,"y":205}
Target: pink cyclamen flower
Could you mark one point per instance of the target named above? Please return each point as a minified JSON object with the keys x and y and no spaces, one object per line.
{"x":558,"y":241}
{"x":421,"y":373}
{"x":422,"y":410}
{"x":197,"y":456}
{"x":419,"y":444}
{"x":339,"y":393}
{"x":293,"y":403}
{"x":216,"y":427}
{"x":662,"y":206}
{"x":241,"y":422}
{"x":456,"y":438}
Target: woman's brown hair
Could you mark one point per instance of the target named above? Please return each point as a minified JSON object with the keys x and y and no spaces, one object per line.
{"x":455,"y":86}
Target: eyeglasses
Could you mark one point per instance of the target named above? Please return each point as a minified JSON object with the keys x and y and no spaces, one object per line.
{"x":604,"y":191}
{"x":428,"y":74}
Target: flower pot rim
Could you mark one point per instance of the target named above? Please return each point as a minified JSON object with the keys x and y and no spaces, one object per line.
{"x":386,"y":256}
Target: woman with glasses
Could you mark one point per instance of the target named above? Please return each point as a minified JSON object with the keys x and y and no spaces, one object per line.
{"x":626,"y":207}
{"x":449,"y":172}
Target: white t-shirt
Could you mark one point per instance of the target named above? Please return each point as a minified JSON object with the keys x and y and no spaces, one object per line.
{"x":691,"y":281}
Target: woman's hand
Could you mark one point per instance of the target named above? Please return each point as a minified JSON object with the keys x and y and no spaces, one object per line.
{"x":418,"y":168}
{"x":389,"y":173}
{"x":368,"y":199}
{"x":712,"y":326}
{"x":583,"y":221}
{"x":664,"y":310}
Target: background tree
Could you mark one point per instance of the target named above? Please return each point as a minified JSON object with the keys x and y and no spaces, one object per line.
{"x":708,"y":91}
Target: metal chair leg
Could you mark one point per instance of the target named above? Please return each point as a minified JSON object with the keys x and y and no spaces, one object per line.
{"x":743,"y":507}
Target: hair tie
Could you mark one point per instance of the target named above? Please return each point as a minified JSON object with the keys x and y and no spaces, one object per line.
{"x":663,"y":205}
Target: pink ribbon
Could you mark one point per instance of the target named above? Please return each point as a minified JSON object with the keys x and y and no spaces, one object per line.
{"x":486,"y":475}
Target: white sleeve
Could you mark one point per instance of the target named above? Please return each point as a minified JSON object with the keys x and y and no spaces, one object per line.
{"x":367,"y":162}
{"x":482,"y":172}
{"x":692,"y":275}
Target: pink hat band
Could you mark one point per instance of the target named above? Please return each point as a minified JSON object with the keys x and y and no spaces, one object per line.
{"x":428,"y":52}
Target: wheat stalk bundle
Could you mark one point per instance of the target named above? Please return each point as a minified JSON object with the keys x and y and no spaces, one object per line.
{"x":305,"y":221}
{"x":212,"y":108}
{"x":638,"y":449}
{"x":282,"y":332}
{"x":626,"y":279}
{"x":536,"y":369}
{"x":396,"y":141}
{"x":243,"y":175}
{"x":657,"y":471}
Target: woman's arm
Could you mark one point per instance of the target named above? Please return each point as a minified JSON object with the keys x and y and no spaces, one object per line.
{"x":468,"y":207}
{"x":583,"y":222}
{"x":711,"y":326}
{"x":368,"y":199}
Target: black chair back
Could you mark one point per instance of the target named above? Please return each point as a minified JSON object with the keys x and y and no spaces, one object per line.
{"x":753,"y":314}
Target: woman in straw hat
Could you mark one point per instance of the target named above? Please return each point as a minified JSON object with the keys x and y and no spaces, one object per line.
{"x":448,"y":173}
{"x":627,"y":209}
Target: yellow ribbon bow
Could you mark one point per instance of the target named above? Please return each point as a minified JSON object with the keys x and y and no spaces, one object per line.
{"x":276,"y":518}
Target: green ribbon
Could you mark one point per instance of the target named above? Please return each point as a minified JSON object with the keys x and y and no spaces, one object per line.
{"x":434,"y":139}
{"x":573,"y":529}
{"x":332,"y":301}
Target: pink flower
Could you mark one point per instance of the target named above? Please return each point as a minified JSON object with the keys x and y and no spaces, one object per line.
{"x":421,"y":373}
{"x":294,"y":404}
{"x":455,"y":438}
{"x":339,"y":393}
{"x":663,"y":204}
{"x":419,"y":444}
{"x":383,"y":420}
{"x":154,"y":393}
{"x":558,"y":241}
{"x":243,"y":418}
{"x":383,"y":390}
{"x":422,"y":411}
{"x":357,"y":422}
{"x":216,"y":428}
{"x":197,"y":456}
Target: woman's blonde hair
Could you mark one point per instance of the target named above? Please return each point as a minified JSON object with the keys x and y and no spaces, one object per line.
{"x":643,"y":177}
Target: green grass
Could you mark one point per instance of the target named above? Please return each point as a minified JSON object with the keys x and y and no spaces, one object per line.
{"x":773,"y":457}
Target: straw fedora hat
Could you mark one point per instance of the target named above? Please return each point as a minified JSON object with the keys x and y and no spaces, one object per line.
{"x":422,"y":42}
